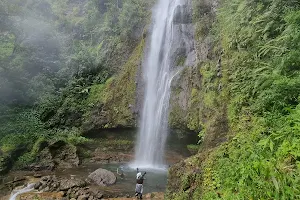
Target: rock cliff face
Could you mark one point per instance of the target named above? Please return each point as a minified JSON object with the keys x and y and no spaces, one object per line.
{"x":198,"y":102}
{"x":183,"y":58}
{"x":117,"y":107}
{"x":185,"y":104}
{"x":192,"y":47}
{"x":56,"y":155}
{"x":246,"y":134}
{"x":193,"y":50}
{"x":123,"y":94}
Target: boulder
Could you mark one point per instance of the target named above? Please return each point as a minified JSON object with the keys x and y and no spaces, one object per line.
{"x":37,"y":185}
{"x":57,"y":155}
{"x":45,"y":161}
{"x":47,"y":184}
{"x":66,"y":184}
{"x":64,"y":155}
{"x":83,"y":197}
{"x":103,"y":177}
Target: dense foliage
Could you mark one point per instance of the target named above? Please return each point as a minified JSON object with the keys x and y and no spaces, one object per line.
{"x":58,"y":66}
{"x":257,"y":79}
{"x":57,"y":58}
{"x":261,"y":42}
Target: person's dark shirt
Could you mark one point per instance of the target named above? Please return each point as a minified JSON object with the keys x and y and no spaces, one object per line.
{"x":140,"y":181}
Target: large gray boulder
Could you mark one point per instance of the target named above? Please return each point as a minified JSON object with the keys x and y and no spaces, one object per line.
{"x":103,"y":177}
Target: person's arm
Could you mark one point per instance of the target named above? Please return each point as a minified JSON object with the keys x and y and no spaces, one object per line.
{"x":144,"y":175}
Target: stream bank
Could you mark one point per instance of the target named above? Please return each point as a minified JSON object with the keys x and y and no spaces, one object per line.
{"x":107,"y":149}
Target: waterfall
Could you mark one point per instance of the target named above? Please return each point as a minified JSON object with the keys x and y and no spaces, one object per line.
{"x":158,"y":76}
{"x":15,"y":193}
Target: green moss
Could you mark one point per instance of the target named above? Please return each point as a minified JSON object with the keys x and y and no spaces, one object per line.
{"x":193,"y":148}
{"x":178,"y":114}
{"x":210,"y":99}
{"x":180,"y":61}
{"x":193,"y":114}
{"x":117,"y":144}
{"x":202,"y":18}
{"x":24,"y":160}
{"x":182,"y":196}
{"x":177,"y":117}
{"x":96,"y":95}
{"x":121,"y":91}
{"x":207,"y":113}
{"x":183,"y":179}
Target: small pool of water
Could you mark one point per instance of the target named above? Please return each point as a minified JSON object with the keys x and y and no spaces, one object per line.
{"x":156,"y":180}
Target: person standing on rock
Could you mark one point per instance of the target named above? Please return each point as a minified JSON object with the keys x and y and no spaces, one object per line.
{"x":139,"y":183}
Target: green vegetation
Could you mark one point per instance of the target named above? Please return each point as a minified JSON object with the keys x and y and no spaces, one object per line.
{"x":70,"y":66}
{"x":121,"y":92}
{"x":255,"y":87}
{"x":180,"y":61}
{"x":23,"y":132}
{"x":60,"y":63}
{"x":193,"y":148}
{"x":261,"y":56}
{"x":117,"y":144}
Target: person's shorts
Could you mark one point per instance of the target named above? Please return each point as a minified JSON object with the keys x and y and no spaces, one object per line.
{"x":139,"y":188}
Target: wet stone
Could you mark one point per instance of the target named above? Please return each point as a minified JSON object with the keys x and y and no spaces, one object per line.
{"x":37,"y":185}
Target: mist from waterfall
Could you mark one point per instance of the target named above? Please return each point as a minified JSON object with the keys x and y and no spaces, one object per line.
{"x":157,"y":74}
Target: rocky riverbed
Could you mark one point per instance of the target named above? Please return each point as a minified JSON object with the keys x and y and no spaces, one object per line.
{"x":60,"y":196}
{"x":68,"y":172}
{"x":55,"y":188}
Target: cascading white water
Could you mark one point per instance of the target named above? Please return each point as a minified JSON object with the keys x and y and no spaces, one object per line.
{"x":15,"y":193}
{"x":157,"y":71}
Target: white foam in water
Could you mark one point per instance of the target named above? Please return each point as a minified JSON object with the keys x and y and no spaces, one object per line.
{"x":153,"y":133}
{"x":15,"y":193}
{"x":156,"y":168}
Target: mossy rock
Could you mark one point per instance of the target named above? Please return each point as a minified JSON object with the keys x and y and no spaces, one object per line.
{"x":193,"y":149}
{"x":112,"y":104}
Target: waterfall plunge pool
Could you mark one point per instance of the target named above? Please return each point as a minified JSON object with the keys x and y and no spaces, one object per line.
{"x":156,"y":180}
